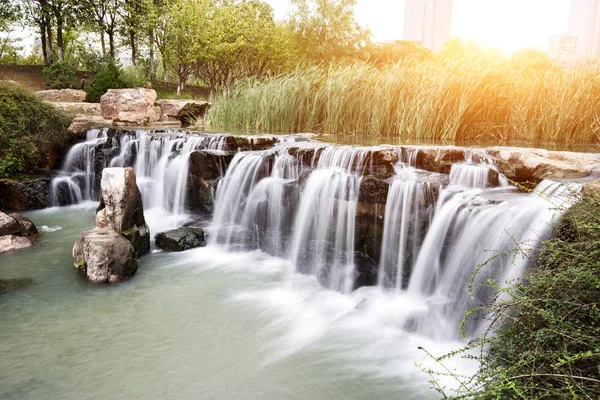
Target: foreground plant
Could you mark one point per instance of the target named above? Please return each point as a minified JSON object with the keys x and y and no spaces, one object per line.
{"x":543,"y":341}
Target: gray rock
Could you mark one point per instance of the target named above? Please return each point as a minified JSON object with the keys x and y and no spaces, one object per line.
{"x":121,"y":208}
{"x":12,"y":242}
{"x":9,"y":225}
{"x":27,"y":226}
{"x":25,"y":194}
{"x":103,"y":255}
{"x":181,"y":239}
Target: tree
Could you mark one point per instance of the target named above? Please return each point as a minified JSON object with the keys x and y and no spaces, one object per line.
{"x":325,"y":30}
{"x":133,"y":16}
{"x":187,"y":34}
{"x":62,"y":12}
{"x":102,"y":16}
{"x":37,"y":14}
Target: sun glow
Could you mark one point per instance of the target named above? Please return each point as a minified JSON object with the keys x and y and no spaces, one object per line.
{"x":505,"y":24}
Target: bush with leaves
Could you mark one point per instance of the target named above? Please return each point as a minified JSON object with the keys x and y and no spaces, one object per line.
{"x":111,"y":76}
{"x":544,"y":338}
{"x":59,"y":75}
{"x":28,"y":128}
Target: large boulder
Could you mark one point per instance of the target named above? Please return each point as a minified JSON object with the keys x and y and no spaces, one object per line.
{"x":13,"y":242}
{"x":121,"y":208}
{"x":185,"y":111}
{"x":181,"y":239}
{"x":103,"y":255}
{"x":129,"y":106}
{"x":27,"y":194}
{"x":62,"y":95}
{"x":534,"y":165}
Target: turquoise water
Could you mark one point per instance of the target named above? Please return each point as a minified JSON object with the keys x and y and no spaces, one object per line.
{"x":203,"y":324}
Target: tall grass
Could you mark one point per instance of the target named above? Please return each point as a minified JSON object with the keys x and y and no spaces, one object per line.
{"x":479,"y":97}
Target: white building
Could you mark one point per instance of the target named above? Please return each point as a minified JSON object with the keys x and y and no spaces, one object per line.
{"x":428,"y":22}
{"x":584,"y":24}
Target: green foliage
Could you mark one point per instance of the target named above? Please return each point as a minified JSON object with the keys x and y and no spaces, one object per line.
{"x":133,"y":77}
{"x":28,"y":128}
{"x":544,"y":340}
{"x":59,"y":75}
{"x":326,"y":31}
{"x":463,"y":94}
{"x":107,"y":77}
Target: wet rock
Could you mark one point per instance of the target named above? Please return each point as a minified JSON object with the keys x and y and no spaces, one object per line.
{"x":27,"y":227}
{"x":591,"y":189}
{"x":129,"y":106}
{"x":184,"y":111}
{"x":26,"y":194}
{"x":123,"y":210}
{"x":9,"y":225}
{"x":181,"y":239}
{"x":250,"y":142}
{"x":206,"y":167}
{"x":373,"y":190}
{"x":439,"y":159}
{"x":82,"y":124}
{"x":13,"y":242}
{"x":534,"y":165}
{"x":61,"y":95}
{"x":103,"y":255}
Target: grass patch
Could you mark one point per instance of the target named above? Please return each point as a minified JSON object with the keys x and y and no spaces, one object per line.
{"x":473,"y":97}
{"x":29,"y":130}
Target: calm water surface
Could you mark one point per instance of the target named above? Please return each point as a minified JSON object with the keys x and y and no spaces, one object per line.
{"x":203,"y":324}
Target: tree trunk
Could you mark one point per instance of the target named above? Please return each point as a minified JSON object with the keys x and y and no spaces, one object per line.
{"x":59,"y":39}
{"x":182,"y":78}
{"x":164,"y":71}
{"x":111,"y":44}
{"x":103,"y":43}
{"x":50,"y":39}
{"x":44,"y":43}
{"x":133,"y":49}
{"x":151,"y":55}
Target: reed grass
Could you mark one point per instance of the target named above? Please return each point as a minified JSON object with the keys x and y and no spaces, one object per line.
{"x":478,"y":97}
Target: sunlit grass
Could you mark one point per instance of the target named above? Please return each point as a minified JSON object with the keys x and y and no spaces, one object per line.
{"x":473,"y":98}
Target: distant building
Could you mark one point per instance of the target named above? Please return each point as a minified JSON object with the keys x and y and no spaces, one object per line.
{"x":584,"y":24}
{"x":563,"y":48}
{"x":428,"y":22}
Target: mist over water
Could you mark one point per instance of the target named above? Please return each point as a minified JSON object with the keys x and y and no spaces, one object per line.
{"x":272,"y":308}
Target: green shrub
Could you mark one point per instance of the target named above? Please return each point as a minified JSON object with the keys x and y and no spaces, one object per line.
{"x":28,"y":129}
{"x":111,"y":76}
{"x":107,"y":77}
{"x":133,"y":77}
{"x":59,"y":75}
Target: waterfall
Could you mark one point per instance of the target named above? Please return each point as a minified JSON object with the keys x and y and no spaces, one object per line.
{"x":160,"y":161}
{"x":300,"y":202}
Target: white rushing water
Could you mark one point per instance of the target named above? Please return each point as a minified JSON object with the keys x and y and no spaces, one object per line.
{"x":279,"y":213}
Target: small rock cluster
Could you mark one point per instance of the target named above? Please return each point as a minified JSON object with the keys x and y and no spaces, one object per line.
{"x":134,"y":108}
{"x":16,"y":232}
{"x":108,"y":252}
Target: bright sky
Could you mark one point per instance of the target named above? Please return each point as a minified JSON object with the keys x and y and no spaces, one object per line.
{"x":506,"y":24}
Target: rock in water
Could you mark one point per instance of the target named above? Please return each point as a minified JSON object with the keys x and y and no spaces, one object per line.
{"x":27,"y":226}
{"x":9,"y":225}
{"x":103,"y":255}
{"x":121,"y":208}
{"x":181,"y":239}
{"x":12,"y":242}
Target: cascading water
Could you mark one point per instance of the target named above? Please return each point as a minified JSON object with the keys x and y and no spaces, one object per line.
{"x":160,"y":161}
{"x":436,"y":229}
